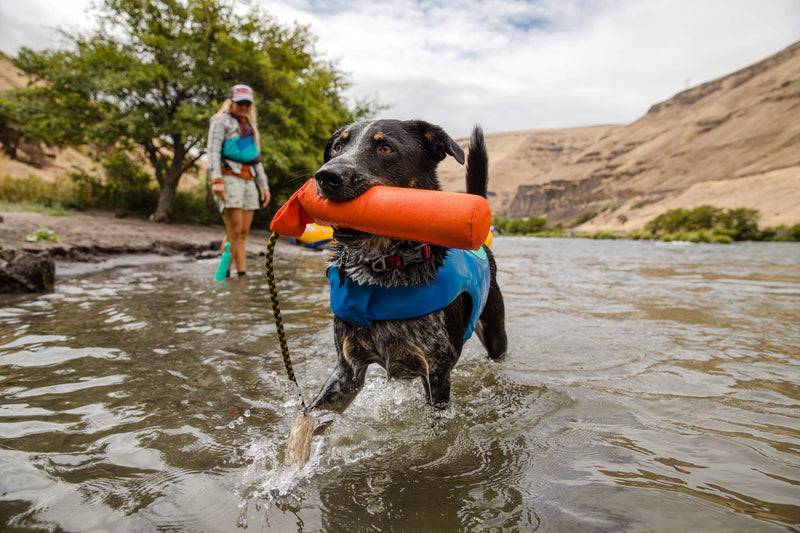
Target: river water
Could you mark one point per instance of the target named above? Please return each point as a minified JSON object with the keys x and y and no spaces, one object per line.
{"x":648,"y":387}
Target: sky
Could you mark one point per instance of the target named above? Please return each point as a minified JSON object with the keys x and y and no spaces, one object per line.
{"x":506,"y":64}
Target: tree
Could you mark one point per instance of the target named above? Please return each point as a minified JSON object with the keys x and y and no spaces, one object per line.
{"x":25,"y":120}
{"x":154,"y":71}
{"x":741,"y":223}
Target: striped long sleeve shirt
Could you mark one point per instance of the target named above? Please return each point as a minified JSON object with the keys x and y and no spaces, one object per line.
{"x":223,"y":127}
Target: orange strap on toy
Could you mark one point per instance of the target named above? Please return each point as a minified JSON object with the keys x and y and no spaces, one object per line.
{"x":450,"y":219}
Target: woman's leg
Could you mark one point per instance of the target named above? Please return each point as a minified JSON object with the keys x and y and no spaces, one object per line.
{"x":241,"y":245}
{"x":233,"y":227}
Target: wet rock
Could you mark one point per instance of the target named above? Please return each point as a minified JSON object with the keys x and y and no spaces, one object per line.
{"x":207,"y":254}
{"x":23,"y":271}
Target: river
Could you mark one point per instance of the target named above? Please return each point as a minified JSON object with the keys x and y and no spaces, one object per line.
{"x":648,"y":387}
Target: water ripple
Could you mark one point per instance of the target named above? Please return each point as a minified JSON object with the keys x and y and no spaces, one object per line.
{"x":647,"y":387}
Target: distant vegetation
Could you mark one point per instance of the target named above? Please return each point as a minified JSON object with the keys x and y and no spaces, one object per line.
{"x":149,"y":77}
{"x":127,"y":190}
{"x":705,"y":223}
{"x":519,"y":226}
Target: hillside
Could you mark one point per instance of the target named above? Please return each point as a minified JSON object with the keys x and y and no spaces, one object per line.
{"x":42,"y":162}
{"x":52,"y":163}
{"x":731,"y":142}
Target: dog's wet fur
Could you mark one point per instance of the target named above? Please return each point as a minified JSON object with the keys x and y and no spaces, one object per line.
{"x":400,"y":154}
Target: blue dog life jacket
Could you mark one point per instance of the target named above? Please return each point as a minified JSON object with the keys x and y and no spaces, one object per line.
{"x":463,"y":271}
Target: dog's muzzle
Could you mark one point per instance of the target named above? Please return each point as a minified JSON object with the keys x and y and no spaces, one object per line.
{"x":329,"y":178}
{"x":336,"y":181}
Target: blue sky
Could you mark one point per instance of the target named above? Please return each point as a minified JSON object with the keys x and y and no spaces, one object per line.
{"x":507,"y":64}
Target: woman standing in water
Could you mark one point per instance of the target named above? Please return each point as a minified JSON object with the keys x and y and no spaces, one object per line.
{"x":238,"y":180}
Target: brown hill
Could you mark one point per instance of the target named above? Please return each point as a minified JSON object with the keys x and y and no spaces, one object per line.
{"x":36,"y":160}
{"x":51,"y":162}
{"x":731,"y":142}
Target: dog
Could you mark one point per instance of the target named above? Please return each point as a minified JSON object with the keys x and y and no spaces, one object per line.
{"x":399,"y":154}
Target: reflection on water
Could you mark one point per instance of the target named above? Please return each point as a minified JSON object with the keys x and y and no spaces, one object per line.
{"x":648,"y":386}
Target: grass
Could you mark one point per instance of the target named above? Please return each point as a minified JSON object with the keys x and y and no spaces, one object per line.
{"x":28,"y":207}
{"x":84,"y":192}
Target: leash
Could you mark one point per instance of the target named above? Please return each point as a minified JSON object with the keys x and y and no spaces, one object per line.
{"x":276,"y":312}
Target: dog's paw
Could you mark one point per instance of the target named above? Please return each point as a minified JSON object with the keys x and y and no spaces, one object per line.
{"x":298,"y":449}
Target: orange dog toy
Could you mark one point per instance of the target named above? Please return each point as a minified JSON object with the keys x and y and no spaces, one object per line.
{"x":450,"y":219}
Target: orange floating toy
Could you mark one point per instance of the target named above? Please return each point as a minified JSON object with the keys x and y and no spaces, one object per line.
{"x":450,"y":219}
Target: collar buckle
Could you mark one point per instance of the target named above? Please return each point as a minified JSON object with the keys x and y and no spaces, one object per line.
{"x":398,"y":261}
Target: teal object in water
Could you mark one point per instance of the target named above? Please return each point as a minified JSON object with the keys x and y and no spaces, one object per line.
{"x":224,"y":263}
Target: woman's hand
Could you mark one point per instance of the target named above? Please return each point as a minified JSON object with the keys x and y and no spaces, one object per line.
{"x":265,"y":196}
{"x":219,"y":190}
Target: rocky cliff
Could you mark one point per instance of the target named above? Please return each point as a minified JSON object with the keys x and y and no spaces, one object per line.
{"x":731,"y":142}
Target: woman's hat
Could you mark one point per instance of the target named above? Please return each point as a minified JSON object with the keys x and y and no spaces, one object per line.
{"x":241,"y":93}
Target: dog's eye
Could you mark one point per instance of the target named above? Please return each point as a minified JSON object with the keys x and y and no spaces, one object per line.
{"x":385,"y":149}
{"x":337,"y":147}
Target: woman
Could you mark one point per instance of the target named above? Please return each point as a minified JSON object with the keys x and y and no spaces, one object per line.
{"x":238,"y":179}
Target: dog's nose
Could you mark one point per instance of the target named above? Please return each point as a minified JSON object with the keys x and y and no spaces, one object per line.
{"x":329,"y":178}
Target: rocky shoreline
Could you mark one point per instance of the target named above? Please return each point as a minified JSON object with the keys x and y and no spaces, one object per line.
{"x":31,"y":244}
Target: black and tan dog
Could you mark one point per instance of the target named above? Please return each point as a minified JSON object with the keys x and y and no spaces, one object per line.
{"x":399,"y":154}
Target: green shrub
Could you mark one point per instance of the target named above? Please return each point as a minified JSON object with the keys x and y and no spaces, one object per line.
{"x":721,"y":239}
{"x":794,"y":233}
{"x":741,"y":223}
{"x":127,"y":187}
{"x":519,"y":226}
{"x":707,"y":223}
{"x":782,"y":233}
{"x":197,"y":209}
{"x":640,"y":236}
{"x":585,"y":217}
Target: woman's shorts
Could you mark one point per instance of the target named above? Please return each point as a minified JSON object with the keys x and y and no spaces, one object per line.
{"x":239,"y":193}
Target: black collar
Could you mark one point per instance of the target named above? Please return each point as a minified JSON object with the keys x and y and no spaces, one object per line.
{"x":397,"y":261}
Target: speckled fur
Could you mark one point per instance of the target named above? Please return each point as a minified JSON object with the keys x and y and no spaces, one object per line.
{"x":401,"y":154}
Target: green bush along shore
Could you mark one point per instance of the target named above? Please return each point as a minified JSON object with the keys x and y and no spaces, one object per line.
{"x":705,"y":223}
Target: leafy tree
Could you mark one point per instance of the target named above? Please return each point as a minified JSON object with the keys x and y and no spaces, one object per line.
{"x":519,"y":226}
{"x":703,"y":217}
{"x":10,"y":134}
{"x":25,"y":118}
{"x":742,"y":223}
{"x":793,"y":234}
{"x":154,"y":71}
{"x":669,"y":222}
{"x":737,"y":224}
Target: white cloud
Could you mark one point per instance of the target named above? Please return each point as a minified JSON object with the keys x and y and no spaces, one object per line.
{"x":510,"y":64}
{"x":34,"y":23}
{"x":519,"y":65}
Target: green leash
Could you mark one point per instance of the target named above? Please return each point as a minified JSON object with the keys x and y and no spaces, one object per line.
{"x":276,"y":312}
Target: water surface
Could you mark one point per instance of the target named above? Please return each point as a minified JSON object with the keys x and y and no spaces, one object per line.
{"x":648,"y":387}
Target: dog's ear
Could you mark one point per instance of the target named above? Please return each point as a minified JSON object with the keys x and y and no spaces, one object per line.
{"x":326,"y":155}
{"x":438,"y":143}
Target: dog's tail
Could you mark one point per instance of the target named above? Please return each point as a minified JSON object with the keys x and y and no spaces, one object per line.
{"x":477,"y":164}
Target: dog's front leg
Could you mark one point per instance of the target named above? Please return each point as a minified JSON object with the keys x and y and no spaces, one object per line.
{"x":340,"y":389}
{"x":336,"y":394}
{"x":437,"y":384}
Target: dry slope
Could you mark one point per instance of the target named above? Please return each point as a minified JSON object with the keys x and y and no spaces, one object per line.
{"x":731,"y":142}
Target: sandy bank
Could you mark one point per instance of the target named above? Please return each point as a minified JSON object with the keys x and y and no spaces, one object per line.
{"x":92,"y":237}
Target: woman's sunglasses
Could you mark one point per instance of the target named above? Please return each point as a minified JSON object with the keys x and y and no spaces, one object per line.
{"x":244,"y":103}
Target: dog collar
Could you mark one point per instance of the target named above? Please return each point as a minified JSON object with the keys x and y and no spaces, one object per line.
{"x":397,"y":261}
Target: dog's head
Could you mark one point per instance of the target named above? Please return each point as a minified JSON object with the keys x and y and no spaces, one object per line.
{"x":383,"y":152}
